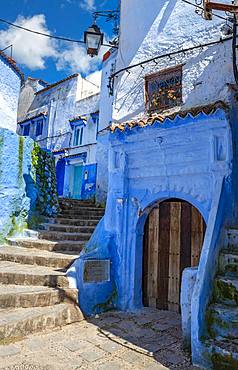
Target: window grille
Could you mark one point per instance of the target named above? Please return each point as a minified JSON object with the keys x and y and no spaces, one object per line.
{"x":163,"y":90}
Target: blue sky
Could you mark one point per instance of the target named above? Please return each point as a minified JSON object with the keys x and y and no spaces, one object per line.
{"x":45,"y":58}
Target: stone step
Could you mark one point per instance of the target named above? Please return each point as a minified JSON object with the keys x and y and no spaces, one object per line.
{"x":84,"y":207}
{"x":75,"y":201}
{"x":68,"y":228}
{"x":57,"y":246}
{"x":36,"y":257}
{"x":232,"y":235}
{"x":20,"y":322}
{"x":226,"y":290}
{"x":28,"y":233}
{"x":72,"y":221}
{"x":223,"y":321}
{"x":83,"y":212}
{"x":80,"y":216}
{"x":15,"y":273}
{"x":228,"y":261}
{"x":224,"y":354}
{"x":56,"y":235}
{"x":23,"y":296}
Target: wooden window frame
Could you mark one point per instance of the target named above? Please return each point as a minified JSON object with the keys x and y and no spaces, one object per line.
{"x":160,"y":74}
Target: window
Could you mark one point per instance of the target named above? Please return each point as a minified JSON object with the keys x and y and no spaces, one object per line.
{"x":39,"y":127}
{"x":164,"y":89}
{"x":78,"y":135}
{"x":26,"y":130}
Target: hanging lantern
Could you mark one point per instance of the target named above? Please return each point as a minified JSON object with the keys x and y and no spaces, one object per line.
{"x":93,"y":39}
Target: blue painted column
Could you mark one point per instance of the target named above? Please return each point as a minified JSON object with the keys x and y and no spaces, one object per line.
{"x":60,"y":172}
{"x":118,"y":200}
{"x":66,"y":192}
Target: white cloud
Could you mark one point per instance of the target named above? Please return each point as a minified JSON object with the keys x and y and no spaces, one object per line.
{"x":28,"y":48}
{"x":88,"y":5}
{"x":75,"y":59}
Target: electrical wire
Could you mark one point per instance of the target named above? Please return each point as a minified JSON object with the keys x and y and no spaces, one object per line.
{"x":200,"y":46}
{"x":50,"y":36}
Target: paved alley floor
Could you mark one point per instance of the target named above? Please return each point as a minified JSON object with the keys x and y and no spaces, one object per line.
{"x":149,"y":339}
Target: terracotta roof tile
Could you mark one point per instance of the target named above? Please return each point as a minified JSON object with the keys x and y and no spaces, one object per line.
{"x":207,"y":109}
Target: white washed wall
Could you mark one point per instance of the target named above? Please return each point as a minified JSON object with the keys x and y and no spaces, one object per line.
{"x":106,"y":101}
{"x":150,"y":28}
{"x":9,"y":93}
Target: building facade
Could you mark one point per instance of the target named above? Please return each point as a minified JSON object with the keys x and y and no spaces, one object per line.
{"x":167,"y":140}
{"x":18,"y":194}
{"x":11,"y":79}
{"x":63,"y":118}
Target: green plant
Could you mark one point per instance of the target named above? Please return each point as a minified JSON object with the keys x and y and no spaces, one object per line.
{"x":20,"y":159}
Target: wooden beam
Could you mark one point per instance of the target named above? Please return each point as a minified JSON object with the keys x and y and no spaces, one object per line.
{"x":210,"y":5}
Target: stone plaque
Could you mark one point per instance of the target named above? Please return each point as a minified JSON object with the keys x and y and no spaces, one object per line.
{"x":96,"y":271}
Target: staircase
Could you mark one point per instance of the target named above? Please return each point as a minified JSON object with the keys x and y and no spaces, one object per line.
{"x":34,"y":290}
{"x":222,"y":314}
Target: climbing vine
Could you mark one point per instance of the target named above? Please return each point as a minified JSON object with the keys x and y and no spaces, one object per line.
{"x":20,"y":159}
{"x":44,"y":176}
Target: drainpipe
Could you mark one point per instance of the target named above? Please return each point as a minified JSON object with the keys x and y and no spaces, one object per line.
{"x":234,"y":47}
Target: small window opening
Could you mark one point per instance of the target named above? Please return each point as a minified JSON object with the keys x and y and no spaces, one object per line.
{"x":78,"y":136}
{"x":39,"y":127}
{"x":163,"y":90}
{"x":26,"y":130}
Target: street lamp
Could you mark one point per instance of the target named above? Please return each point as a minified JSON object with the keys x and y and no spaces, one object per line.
{"x":93,"y":39}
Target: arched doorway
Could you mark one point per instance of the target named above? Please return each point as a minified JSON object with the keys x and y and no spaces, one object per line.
{"x":173,"y":238}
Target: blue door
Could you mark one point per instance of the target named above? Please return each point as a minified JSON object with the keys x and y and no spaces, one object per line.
{"x":77,"y":182}
{"x":60,"y":172}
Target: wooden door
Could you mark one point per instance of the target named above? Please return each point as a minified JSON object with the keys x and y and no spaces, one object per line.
{"x":173,"y":239}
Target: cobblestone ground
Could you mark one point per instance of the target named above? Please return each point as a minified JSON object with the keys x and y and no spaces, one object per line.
{"x":149,"y":339}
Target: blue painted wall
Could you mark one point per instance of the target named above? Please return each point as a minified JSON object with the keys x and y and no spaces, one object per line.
{"x":17,"y":189}
{"x":89,"y":181}
{"x":102,"y":167}
{"x":187,"y":158}
{"x":60,"y":172}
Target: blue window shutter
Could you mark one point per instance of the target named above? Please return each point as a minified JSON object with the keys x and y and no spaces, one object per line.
{"x":39,"y":127}
{"x":26,"y":130}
